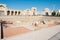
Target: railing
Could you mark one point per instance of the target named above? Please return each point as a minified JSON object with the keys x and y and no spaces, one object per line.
{"x":1,"y":26}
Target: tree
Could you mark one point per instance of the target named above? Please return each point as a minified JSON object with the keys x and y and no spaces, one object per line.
{"x":53,"y":13}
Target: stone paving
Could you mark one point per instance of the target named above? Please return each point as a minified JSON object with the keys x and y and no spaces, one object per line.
{"x":55,"y":37}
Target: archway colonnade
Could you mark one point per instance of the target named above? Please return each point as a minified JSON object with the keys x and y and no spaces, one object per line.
{"x":13,"y":12}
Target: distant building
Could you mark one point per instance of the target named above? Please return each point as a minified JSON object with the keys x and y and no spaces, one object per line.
{"x":58,"y":13}
{"x":2,"y":9}
{"x":46,"y":12}
{"x":34,"y":10}
{"x":5,"y":11}
{"x":28,"y":12}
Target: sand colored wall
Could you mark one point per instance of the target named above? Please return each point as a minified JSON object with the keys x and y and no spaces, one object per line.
{"x":27,"y":18}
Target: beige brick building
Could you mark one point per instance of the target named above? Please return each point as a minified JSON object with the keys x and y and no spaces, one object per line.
{"x":27,"y":12}
{"x":5,"y":11}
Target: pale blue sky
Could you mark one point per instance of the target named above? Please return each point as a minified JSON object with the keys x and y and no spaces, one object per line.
{"x":40,"y":4}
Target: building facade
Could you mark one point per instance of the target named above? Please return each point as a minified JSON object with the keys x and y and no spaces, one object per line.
{"x":28,"y":12}
{"x":5,"y":11}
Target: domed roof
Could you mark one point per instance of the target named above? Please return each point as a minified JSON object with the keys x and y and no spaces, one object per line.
{"x":46,"y":9}
{"x":2,"y":5}
{"x":34,"y":8}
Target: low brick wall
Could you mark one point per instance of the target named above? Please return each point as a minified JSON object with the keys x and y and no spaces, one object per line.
{"x":27,"y":18}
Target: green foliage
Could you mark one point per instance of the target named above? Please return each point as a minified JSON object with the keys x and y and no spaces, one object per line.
{"x":53,"y":13}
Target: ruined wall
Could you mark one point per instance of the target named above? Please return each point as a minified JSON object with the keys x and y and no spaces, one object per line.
{"x":27,"y":18}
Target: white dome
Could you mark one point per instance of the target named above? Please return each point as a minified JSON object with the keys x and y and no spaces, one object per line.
{"x":3,"y":5}
{"x":46,"y":9}
{"x":33,"y":7}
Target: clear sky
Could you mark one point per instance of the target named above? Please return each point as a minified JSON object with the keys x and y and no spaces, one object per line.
{"x":24,"y":4}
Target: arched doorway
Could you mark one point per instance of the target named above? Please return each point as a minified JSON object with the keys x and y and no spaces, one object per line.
{"x":12,"y":12}
{"x":15,"y":12}
{"x":47,"y":14}
{"x":19,"y":13}
{"x":8,"y":12}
